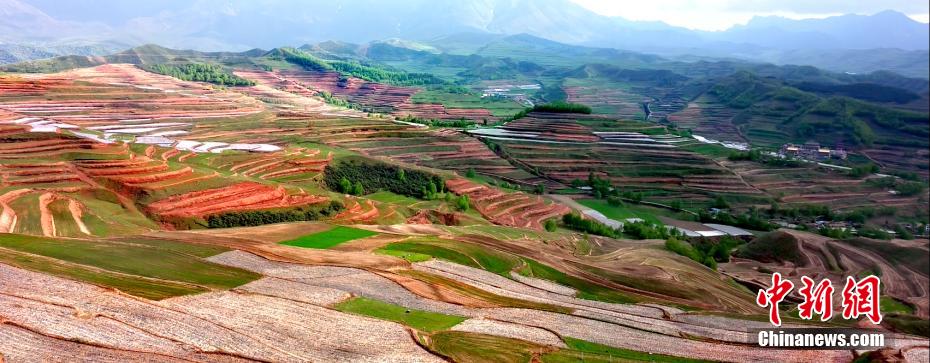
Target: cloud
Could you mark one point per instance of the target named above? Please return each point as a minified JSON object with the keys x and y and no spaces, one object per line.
{"x":829,"y":6}
{"x":723,"y":14}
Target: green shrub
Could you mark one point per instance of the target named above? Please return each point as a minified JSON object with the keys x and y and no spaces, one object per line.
{"x":562,"y":107}
{"x":351,"y":68}
{"x":372,"y":176}
{"x":682,"y":248}
{"x":462,"y":203}
{"x":198,"y":72}
{"x":551,"y":225}
{"x":262,"y":217}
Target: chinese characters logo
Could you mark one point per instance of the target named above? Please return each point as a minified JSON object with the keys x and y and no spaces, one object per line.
{"x":860,"y":298}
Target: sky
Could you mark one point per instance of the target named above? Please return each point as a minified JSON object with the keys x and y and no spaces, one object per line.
{"x":714,"y":15}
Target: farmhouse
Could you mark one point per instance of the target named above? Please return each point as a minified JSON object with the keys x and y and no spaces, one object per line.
{"x":812,"y":151}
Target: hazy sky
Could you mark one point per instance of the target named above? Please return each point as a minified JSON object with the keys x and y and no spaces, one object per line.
{"x":694,"y":14}
{"x":722,"y":14}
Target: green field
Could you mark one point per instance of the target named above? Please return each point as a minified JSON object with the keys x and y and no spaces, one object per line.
{"x":409,"y":256}
{"x":329,"y":238}
{"x":892,"y":305}
{"x":151,"y":269}
{"x":711,"y":150}
{"x":497,"y":107}
{"x":417,"y":319}
{"x":393,"y":198}
{"x":620,"y":213}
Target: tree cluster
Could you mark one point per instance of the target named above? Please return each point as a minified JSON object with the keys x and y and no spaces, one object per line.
{"x":372,"y":176}
{"x":579,"y":223}
{"x":705,"y":251}
{"x":751,"y":220}
{"x":199,"y":72}
{"x":649,"y":230}
{"x":460,"y":123}
{"x":562,"y":107}
{"x":371,"y":73}
{"x":261,"y":217}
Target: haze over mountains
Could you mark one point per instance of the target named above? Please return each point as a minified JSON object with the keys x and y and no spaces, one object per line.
{"x":214,"y":25}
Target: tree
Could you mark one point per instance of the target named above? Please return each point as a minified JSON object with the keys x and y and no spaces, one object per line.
{"x":470,"y":173}
{"x":463,"y":203}
{"x":903,"y":233}
{"x":721,"y":203}
{"x":345,"y":186}
{"x":551,"y":225}
{"x":432,"y":190}
{"x":562,"y":107}
{"x":401,"y":175}
{"x":358,"y":189}
{"x":540,"y":188}
{"x":377,"y":176}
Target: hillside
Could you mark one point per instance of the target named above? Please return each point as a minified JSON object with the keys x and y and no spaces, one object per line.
{"x":460,"y":181}
{"x":769,"y":113}
{"x":764,"y":105}
{"x":902,"y":265}
{"x":412,"y":211}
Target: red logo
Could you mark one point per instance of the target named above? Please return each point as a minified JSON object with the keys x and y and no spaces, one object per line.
{"x":817,"y":299}
{"x":859,"y":298}
{"x":862,"y":298}
{"x":773,"y":296}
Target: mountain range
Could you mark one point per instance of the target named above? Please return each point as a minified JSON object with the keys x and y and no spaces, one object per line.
{"x":884,"y":41}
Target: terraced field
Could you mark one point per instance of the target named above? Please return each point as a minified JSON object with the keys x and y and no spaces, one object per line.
{"x":133,"y":167}
{"x":625,"y":100}
{"x":369,"y":96}
{"x":817,"y":185}
{"x":658,"y":164}
{"x":444,"y":149}
{"x":508,"y":209}
{"x":901,"y":264}
{"x":707,"y":117}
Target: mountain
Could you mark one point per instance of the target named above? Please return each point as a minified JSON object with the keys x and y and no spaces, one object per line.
{"x":886,"y":41}
{"x":19,"y":52}
{"x":265,"y":24}
{"x":887,"y":29}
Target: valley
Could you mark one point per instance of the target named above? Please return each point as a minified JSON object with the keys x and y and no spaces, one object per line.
{"x":374,"y":203}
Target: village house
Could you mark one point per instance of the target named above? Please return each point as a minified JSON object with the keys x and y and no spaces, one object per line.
{"x":812,"y":151}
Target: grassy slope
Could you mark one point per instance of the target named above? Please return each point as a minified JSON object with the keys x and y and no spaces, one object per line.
{"x":586,"y":290}
{"x":501,"y":263}
{"x":150,"y":269}
{"x":461,"y":253}
{"x":461,"y":100}
{"x":133,"y":285}
{"x":479,"y":294}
